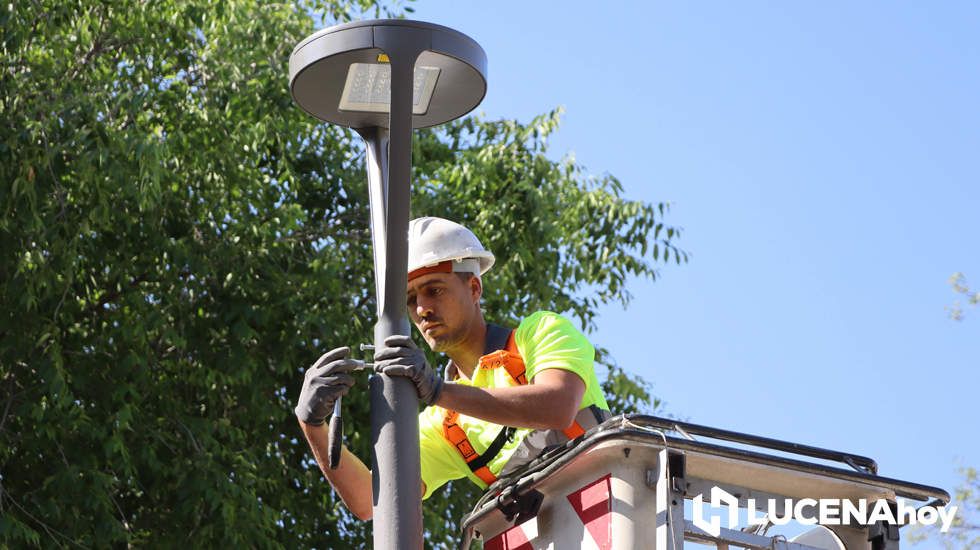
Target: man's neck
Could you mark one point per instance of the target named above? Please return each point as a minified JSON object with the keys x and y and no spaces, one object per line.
{"x":467,"y":356}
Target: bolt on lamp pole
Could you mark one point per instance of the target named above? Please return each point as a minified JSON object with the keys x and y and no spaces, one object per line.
{"x":383,"y":78}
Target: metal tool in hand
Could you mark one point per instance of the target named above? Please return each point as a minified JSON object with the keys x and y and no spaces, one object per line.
{"x":335,"y":436}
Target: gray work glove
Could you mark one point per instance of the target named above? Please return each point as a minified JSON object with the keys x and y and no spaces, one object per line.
{"x":328,"y":379}
{"x":401,"y":357}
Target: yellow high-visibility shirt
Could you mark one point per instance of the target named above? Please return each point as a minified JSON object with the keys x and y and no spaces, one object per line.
{"x":545,"y":340}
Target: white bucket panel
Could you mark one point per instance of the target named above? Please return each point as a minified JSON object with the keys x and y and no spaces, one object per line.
{"x":600,"y":501}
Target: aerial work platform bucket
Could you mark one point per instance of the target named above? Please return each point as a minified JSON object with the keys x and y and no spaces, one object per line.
{"x":623,"y":485}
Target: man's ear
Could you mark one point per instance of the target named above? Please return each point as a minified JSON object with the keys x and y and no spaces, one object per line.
{"x":476,"y":288}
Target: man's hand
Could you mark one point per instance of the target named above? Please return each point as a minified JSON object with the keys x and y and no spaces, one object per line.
{"x":328,"y":379}
{"x":401,"y":357}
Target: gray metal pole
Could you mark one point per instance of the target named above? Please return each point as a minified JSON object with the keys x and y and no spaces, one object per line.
{"x":376,"y":157}
{"x":394,"y":402}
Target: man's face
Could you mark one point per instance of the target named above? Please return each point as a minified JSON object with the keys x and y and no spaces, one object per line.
{"x":443,"y":307}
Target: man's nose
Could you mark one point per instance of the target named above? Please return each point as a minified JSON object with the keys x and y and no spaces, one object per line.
{"x":422,"y":307}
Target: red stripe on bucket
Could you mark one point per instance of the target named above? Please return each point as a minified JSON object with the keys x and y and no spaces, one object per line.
{"x":593,"y":504}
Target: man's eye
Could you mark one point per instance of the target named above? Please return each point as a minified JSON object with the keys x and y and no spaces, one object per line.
{"x":411,"y":301}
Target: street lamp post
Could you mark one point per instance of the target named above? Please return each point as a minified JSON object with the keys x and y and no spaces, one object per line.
{"x":383,"y":78}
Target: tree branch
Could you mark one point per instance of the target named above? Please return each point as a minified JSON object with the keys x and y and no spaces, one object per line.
{"x":51,"y":531}
{"x":115,"y":294}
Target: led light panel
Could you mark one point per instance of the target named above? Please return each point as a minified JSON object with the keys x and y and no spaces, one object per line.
{"x":368,"y":88}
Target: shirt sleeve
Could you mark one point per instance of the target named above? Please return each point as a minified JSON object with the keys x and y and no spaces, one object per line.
{"x":549,"y":341}
{"x":438,"y":467}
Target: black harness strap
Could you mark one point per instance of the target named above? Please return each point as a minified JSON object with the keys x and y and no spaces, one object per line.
{"x":503,"y":435}
{"x":600,"y":415}
{"x":496,"y":338}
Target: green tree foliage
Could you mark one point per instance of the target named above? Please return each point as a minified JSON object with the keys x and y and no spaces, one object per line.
{"x":958,"y":282}
{"x":563,"y":239}
{"x":964,"y":534}
{"x":178,"y":242}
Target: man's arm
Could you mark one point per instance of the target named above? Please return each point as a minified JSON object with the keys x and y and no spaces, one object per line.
{"x":351,"y":479}
{"x":326,"y":381}
{"x":550,"y":401}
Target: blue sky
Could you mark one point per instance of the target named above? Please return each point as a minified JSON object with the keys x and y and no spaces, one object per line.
{"x":822,"y":158}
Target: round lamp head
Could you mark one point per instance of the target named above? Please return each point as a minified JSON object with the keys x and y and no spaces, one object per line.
{"x":343,"y":76}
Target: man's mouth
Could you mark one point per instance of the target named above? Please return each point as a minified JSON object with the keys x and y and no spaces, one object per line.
{"x":427,"y":326}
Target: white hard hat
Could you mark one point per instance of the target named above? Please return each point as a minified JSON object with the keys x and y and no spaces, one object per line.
{"x":439,"y":245}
